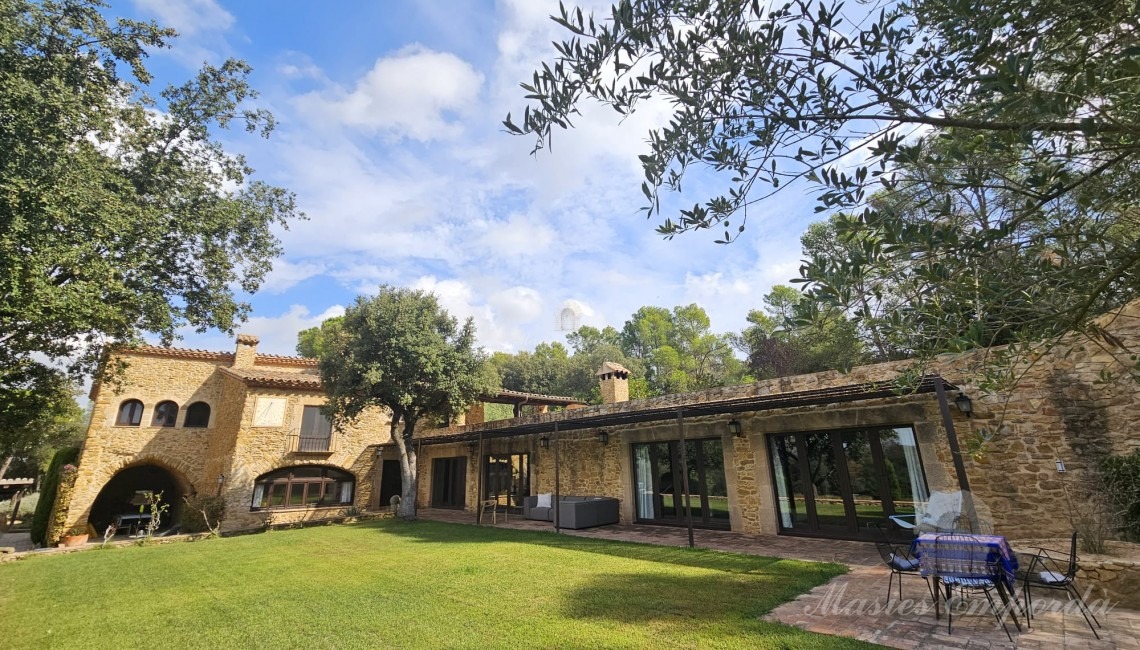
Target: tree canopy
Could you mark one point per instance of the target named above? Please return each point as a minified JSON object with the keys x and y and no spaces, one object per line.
{"x":666,"y":351}
{"x":120,"y":213}
{"x":994,"y":141}
{"x":38,"y":414}
{"x":776,"y":344}
{"x":400,"y":351}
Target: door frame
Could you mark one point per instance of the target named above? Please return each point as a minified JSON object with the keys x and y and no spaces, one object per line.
{"x":703,"y":520}
{"x":838,"y":456}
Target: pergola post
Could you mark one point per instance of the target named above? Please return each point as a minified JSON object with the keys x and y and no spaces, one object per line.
{"x":557,"y":479}
{"x":479,"y":481}
{"x":685,"y":474}
{"x":955,"y":450}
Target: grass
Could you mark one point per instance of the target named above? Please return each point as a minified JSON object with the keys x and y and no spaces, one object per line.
{"x":391,"y":583}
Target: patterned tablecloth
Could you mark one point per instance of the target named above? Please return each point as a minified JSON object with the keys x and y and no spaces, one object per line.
{"x":963,"y":555}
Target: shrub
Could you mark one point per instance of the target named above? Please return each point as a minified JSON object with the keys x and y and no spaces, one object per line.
{"x":1122,"y":483}
{"x":48,"y":489}
{"x":193,"y":520}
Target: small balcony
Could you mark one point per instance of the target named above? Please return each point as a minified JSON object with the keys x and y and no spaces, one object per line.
{"x":300,"y":443}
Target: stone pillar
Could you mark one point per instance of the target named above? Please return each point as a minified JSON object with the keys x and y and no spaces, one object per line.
{"x":614,"y":381}
{"x":246,"y":353}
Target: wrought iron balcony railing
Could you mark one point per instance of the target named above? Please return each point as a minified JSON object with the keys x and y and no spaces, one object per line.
{"x":306,"y":444}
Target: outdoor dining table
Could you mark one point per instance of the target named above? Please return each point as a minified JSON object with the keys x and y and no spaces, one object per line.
{"x":966,"y":555}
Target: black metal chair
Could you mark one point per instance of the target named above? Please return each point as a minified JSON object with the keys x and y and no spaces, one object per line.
{"x":960,"y":563}
{"x":898,"y":559}
{"x":1045,"y":571}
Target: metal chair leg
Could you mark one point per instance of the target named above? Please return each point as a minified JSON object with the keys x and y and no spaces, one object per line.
{"x":1071,"y":592}
{"x":997,"y":614}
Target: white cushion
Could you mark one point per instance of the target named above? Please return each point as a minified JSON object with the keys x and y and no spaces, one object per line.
{"x":1051,"y":577}
{"x":544,"y":500}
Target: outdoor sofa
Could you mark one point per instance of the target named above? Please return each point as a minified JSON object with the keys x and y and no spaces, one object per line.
{"x":574,"y":512}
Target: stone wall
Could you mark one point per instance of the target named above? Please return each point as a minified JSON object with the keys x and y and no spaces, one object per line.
{"x":230,"y":446}
{"x":1060,"y":409}
{"x":182,"y":451}
{"x":260,"y":449}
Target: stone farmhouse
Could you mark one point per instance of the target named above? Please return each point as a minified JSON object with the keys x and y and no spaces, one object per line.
{"x":818,"y":455}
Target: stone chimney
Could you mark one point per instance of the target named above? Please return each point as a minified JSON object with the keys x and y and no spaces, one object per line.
{"x":246,"y":351}
{"x":614,"y":381}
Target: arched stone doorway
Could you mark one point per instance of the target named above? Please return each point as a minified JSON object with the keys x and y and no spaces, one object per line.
{"x":125,"y":492}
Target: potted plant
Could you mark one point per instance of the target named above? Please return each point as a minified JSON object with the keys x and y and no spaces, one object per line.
{"x":77,"y":536}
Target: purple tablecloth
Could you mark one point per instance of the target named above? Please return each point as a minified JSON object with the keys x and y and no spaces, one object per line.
{"x":963,"y":555}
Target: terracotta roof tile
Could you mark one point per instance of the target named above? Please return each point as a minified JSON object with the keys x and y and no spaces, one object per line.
{"x":535,"y":398}
{"x":189,"y":353}
{"x":275,"y":378}
{"x":181,"y":353}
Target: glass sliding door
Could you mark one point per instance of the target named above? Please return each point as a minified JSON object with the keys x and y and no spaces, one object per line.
{"x":905,"y":482}
{"x":659,"y":486}
{"x":449,"y":482}
{"x":506,"y":478}
{"x":838,"y":483}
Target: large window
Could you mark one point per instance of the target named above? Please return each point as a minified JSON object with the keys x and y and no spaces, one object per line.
{"x":197,"y":415}
{"x":165,"y":414}
{"x":838,"y":483}
{"x":659,"y":483}
{"x":130,"y":414}
{"x":303,"y":485}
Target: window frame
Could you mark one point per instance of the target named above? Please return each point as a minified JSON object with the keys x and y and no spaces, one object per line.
{"x":173,"y":420}
{"x":190,"y":411}
{"x":136,"y":421}
{"x":330,"y":481}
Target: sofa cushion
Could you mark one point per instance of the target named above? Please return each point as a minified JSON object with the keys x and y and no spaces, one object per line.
{"x":540,"y":514}
{"x":543,"y":500}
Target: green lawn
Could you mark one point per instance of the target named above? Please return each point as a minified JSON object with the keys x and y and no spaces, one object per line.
{"x":389,"y":583}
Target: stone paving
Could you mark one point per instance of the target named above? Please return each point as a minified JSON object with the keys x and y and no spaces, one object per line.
{"x":855,"y":605}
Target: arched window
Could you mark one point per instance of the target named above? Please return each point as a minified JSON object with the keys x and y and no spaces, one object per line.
{"x":165,"y":414}
{"x":303,"y":485}
{"x":130,"y":413}
{"x":197,"y":415}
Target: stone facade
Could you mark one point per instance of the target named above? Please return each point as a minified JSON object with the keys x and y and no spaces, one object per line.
{"x":1061,"y":409}
{"x":227,"y":456}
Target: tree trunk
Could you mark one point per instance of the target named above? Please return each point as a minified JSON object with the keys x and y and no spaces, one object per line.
{"x":4,"y":467}
{"x":408,"y":483}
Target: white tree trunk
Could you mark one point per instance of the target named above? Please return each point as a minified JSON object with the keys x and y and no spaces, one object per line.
{"x":4,"y":467}
{"x":408,"y":477}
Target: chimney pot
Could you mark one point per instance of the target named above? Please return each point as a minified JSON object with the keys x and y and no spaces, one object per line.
{"x":246,"y":354}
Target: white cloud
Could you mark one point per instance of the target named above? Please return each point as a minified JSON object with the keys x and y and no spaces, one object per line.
{"x":189,"y":17}
{"x":503,"y":237}
{"x":285,"y":274}
{"x":517,"y":304}
{"x":277,"y":334}
{"x":413,"y":93}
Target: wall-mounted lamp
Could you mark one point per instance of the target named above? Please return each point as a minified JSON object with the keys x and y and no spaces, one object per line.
{"x":964,"y":404}
{"x":1060,"y":466}
{"x":221,"y":481}
{"x":379,"y":452}
{"x":603,"y":436}
{"x":544,"y":442}
{"x":734,"y":427}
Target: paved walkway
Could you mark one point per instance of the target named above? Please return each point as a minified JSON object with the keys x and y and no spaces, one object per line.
{"x":855,"y":605}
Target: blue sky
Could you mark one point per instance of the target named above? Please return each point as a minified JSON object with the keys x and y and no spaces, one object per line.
{"x":389,"y":133}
